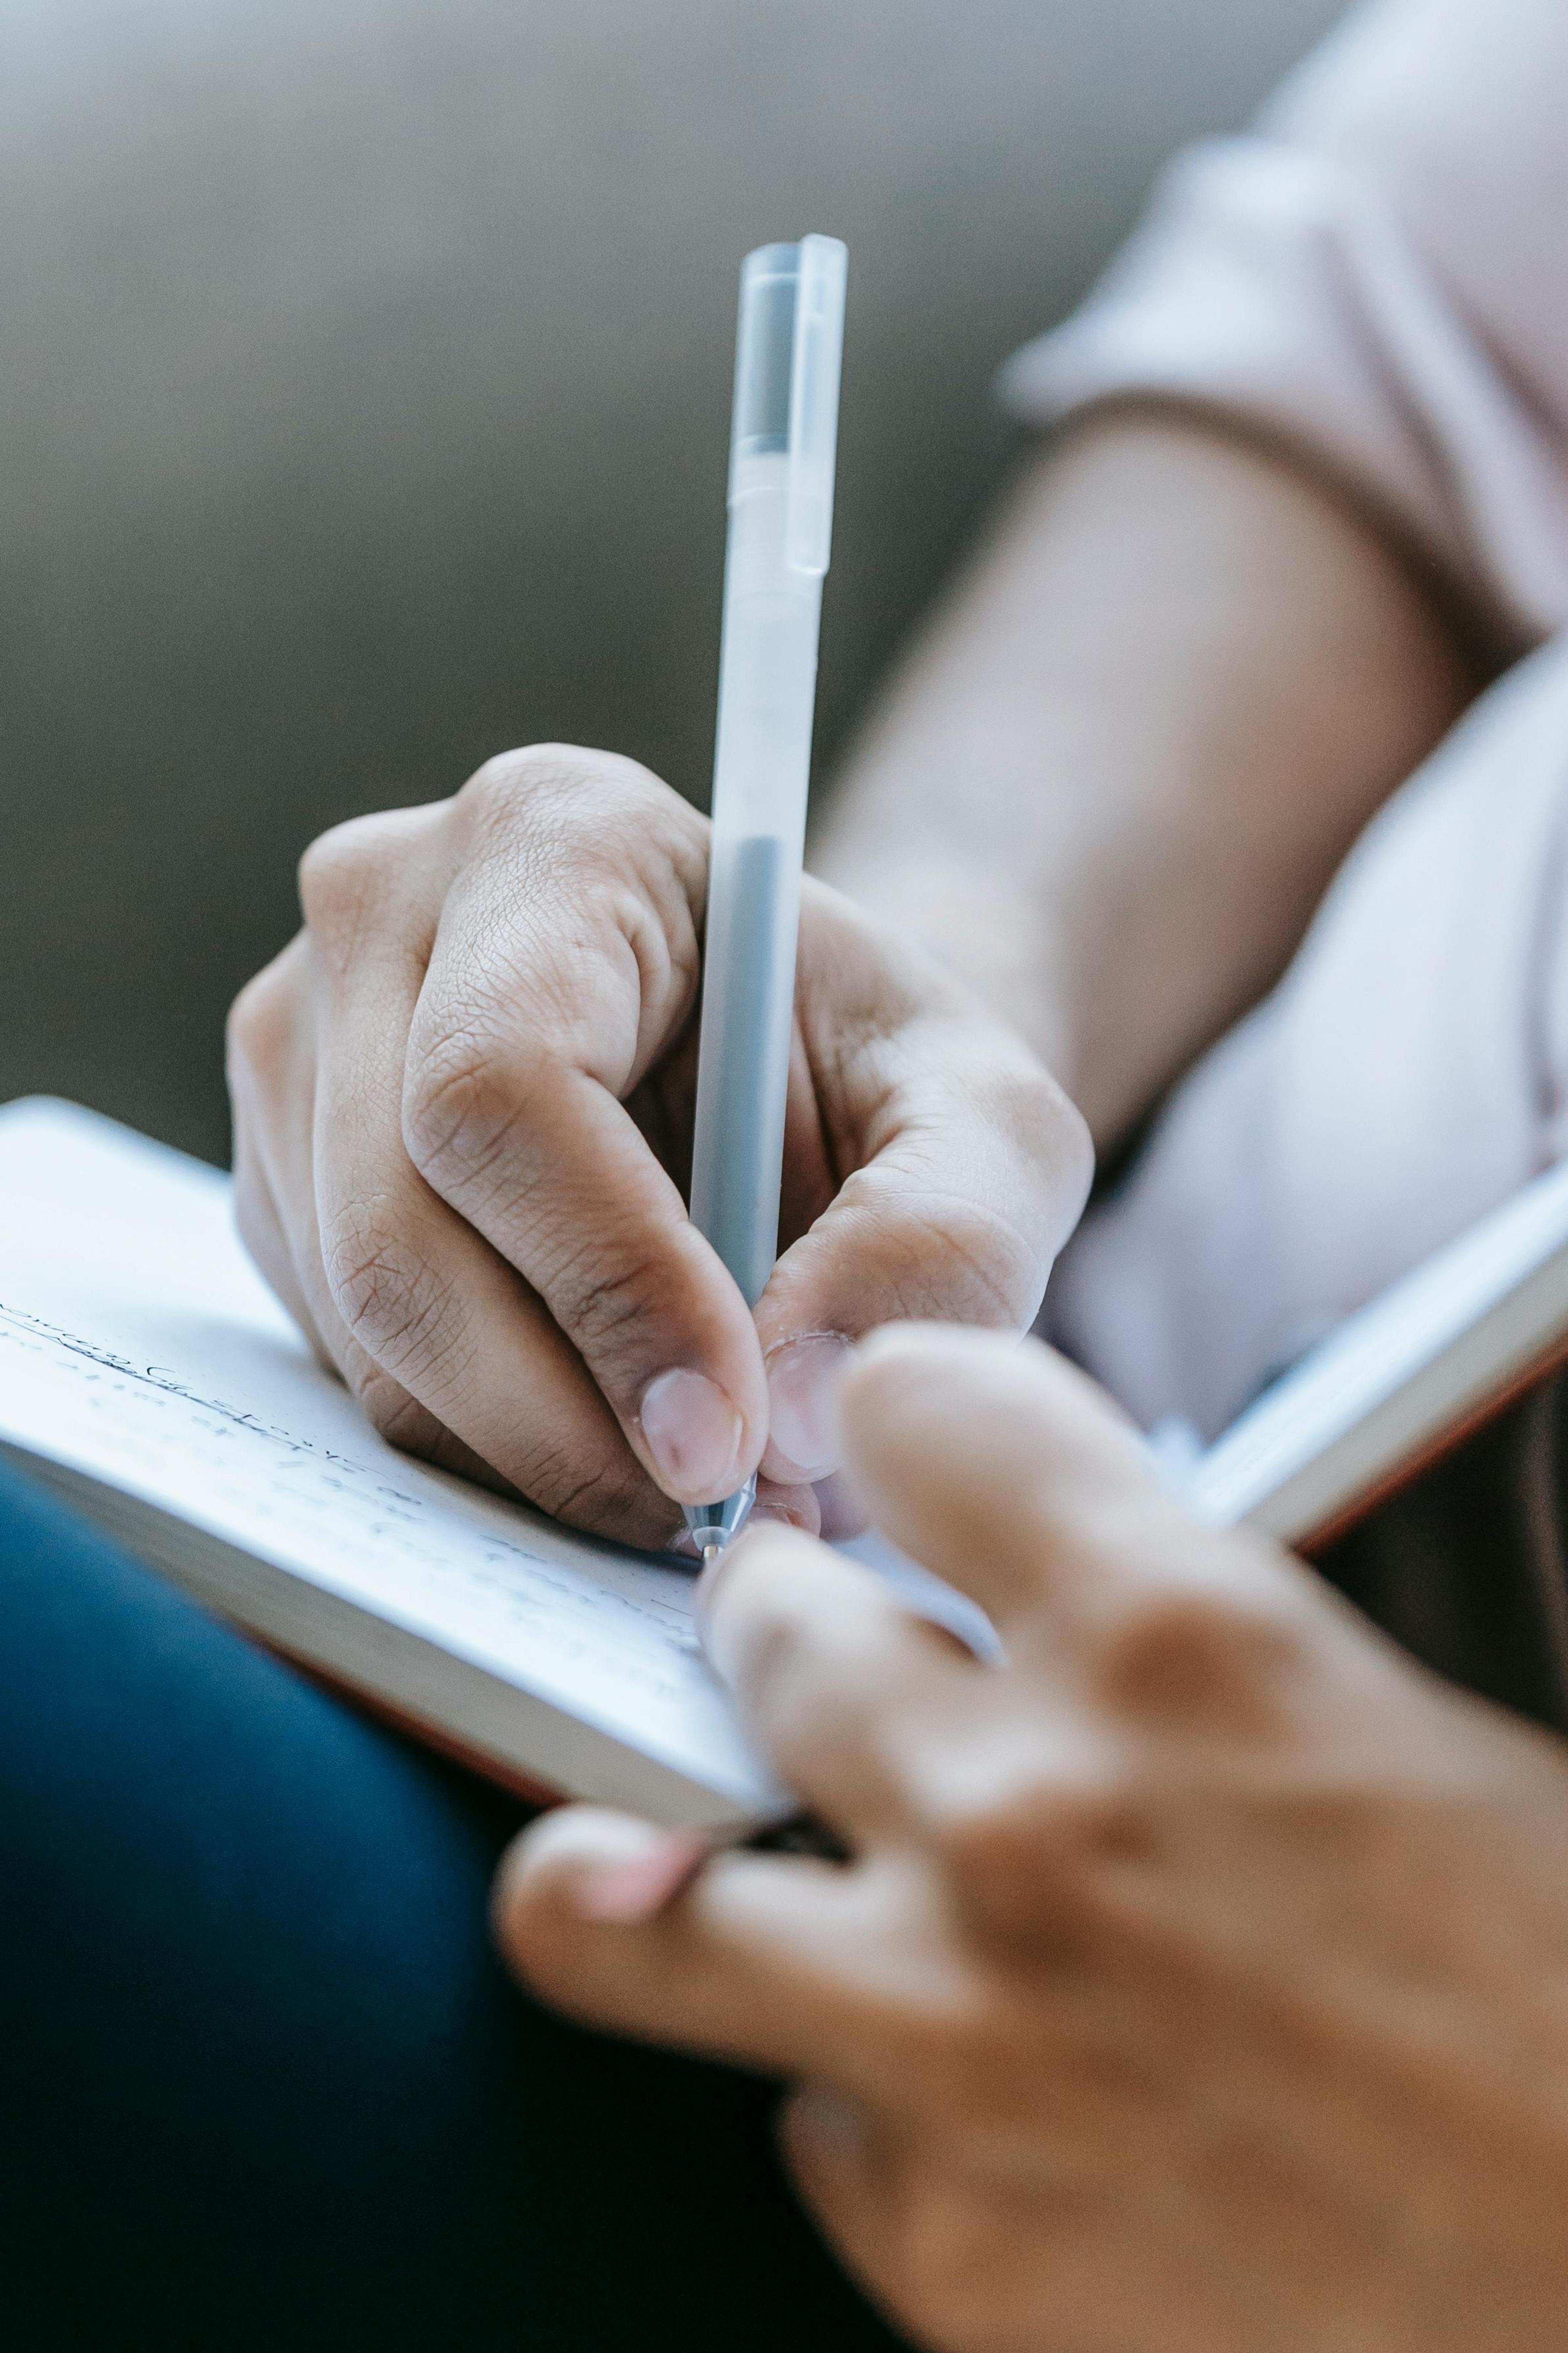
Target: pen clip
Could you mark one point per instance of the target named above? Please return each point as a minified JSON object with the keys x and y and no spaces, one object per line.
{"x":814,"y":365}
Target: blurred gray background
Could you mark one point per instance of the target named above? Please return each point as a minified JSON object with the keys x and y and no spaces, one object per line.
{"x":364,"y":387}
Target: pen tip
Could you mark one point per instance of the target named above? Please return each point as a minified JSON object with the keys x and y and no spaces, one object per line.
{"x":709,"y":1554}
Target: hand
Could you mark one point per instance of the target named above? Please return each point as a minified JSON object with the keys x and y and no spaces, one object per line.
{"x":463,"y":1107}
{"x":1200,"y":1981}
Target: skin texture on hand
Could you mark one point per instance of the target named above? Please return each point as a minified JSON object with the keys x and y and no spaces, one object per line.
{"x":1199,"y":1980}
{"x":463,"y":1100}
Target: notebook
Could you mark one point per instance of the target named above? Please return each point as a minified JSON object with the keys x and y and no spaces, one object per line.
{"x":148,"y":1375}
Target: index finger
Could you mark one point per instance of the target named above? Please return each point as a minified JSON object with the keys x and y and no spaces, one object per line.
{"x":833,"y":1674}
{"x":564,"y":963}
{"x":1003,"y":1469}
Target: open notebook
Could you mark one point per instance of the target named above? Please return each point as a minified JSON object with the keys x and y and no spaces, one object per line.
{"x":148,"y":1375}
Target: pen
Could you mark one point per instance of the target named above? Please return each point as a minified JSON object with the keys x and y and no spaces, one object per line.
{"x":784,"y":436}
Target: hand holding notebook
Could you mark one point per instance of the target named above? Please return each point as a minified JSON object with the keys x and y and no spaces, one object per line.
{"x":1194,"y":1976}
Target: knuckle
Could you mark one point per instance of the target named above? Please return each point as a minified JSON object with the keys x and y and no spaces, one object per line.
{"x":258,"y":1025}
{"x":596,"y":1487}
{"x":343,"y":874}
{"x":607,"y":1495}
{"x":523,"y":783}
{"x":607,"y":1295}
{"x":387,"y":1406}
{"x":606,"y":1284}
{"x":1194,"y":1656}
{"x":991,"y":1837}
{"x":952,"y":1257}
{"x":1031,"y":1852}
{"x":610,"y":866}
{"x":460,"y":1102}
{"x":389,"y":1297}
{"x":561,"y":782}
{"x":584,"y":804}
{"x":1037,"y":1114}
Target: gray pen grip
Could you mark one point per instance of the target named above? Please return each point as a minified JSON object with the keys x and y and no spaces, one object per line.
{"x":748,"y":1004}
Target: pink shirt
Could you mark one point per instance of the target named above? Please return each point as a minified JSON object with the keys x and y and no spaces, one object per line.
{"x":1379,"y":271}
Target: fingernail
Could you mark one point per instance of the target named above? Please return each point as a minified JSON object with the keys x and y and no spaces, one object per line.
{"x":635,"y":1886}
{"x":802,"y":1420}
{"x":693,"y":1434}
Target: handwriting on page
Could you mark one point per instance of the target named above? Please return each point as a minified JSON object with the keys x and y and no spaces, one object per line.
{"x":601,"y":1632}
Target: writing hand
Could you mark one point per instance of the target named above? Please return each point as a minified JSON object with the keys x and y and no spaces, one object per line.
{"x":463,"y":1104}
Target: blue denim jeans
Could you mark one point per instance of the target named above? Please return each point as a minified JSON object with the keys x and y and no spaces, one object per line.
{"x":262,"y":2080}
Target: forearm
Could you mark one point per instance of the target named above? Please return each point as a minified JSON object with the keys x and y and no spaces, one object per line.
{"x":1112,"y":781}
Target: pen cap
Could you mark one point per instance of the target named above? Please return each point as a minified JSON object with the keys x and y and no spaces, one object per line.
{"x":788,"y":350}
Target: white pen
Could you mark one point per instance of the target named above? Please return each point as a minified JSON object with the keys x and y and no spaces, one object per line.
{"x":783,"y":438}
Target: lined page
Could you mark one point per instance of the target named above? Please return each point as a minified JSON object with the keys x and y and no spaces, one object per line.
{"x":137,"y":1345}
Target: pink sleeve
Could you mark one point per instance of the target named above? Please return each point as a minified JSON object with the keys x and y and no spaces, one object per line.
{"x":1378,"y":272}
